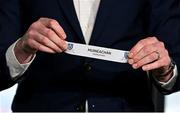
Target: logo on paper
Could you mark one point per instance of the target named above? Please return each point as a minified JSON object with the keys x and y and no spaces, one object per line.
{"x":126,"y":55}
{"x":70,"y":46}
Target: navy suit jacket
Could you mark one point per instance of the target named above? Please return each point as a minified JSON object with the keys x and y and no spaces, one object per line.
{"x":62,"y":82}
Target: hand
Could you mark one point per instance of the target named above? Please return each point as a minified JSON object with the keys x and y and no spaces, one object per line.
{"x":44,"y":35}
{"x":150,"y":54}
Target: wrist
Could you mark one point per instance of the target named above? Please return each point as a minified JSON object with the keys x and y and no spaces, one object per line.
{"x":166,"y":73}
{"x":165,"y":78}
{"x":21,"y":54}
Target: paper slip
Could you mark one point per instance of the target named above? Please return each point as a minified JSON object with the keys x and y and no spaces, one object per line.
{"x":96,"y":52}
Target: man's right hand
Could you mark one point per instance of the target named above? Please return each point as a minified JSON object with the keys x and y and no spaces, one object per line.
{"x":44,"y":35}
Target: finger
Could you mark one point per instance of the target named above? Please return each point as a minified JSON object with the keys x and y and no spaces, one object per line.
{"x":141,"y":44}
{"x":149,"y":49}
{"x":158,"y":64}
{"x":52,"y":36}
{"x":36,"y":45}
{"x":44,"y":41}
{"x":54,"y":25}
{"x":146,"y":60}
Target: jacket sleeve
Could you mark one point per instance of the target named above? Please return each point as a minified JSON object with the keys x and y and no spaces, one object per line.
{"x":164,"y":23}
{"x":9,"y":33}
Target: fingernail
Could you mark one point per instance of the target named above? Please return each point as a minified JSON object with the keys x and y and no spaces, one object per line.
{"x":131,"y":61}
{"x":135,"y":66}
{"x":60,"y":51}
{"x":64,"y":36}
{"x":65,"y":46}
{"x":144,"y":68}
{"x":130,"y":55}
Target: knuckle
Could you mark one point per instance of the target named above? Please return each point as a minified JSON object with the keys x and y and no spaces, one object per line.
{"x":39,"y":47}
{"x":154,"y":39}
{"x":152,"y":57}
{"x":52,"y":22}
{"x":161,"y":44}
{"x":43,"y":40}
{"x":42,"y":18}
{"x":146,"y":49}
{"x":34,"y":25}
{"x":49,"y":33}
{"x":37,"y":23}
{"x":30,"y":34}
{"x":141,"y":42}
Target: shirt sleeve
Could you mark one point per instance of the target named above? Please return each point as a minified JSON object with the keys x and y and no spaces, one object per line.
{"x":169,"y":85}
{"x":16,"y":69}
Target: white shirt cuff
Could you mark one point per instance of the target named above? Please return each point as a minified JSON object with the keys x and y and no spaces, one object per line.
{"x":169,"y":84}
{"x":16,"y":69}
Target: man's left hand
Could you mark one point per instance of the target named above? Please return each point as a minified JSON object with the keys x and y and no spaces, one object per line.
{"x":150,"y":54}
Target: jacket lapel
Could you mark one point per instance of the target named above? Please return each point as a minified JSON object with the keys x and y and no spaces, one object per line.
{"x":101,"y":20}
{"x":67,"y":7}
{"x":104,"y":10}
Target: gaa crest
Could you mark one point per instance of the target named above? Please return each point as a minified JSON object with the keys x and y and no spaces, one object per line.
{"x":70,"y":46}
{"x":126,"y":55}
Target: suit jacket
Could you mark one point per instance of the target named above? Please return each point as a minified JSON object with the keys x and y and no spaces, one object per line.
{"x":62,"y":82}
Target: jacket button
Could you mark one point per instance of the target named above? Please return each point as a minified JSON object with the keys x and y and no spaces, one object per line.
{"x":93,"y":106}
{"x":77,"y":109}
{"x":80,"y":108}
{"x":87,"y":67}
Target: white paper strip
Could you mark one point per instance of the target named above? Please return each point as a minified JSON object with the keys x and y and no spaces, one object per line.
{"x":96,"y":52}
